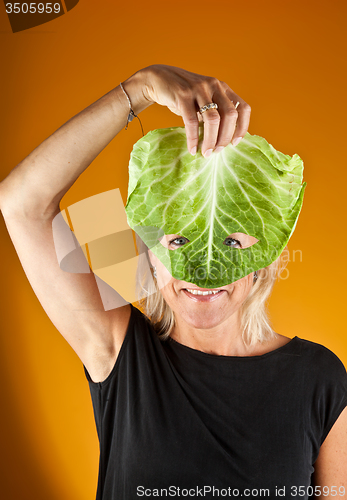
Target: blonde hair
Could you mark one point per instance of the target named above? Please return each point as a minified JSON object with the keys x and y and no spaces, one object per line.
{"x":255,"y":324}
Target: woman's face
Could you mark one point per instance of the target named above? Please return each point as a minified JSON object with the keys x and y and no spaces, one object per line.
{"x":217,"y":304}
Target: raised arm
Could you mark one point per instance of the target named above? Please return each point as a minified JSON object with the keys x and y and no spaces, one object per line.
{"x":36,"y":185}
{"x":30,"y":196}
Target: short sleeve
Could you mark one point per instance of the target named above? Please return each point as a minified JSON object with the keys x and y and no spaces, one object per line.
{"x":332,"y":397}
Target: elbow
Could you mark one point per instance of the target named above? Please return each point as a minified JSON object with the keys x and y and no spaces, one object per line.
{"x":20,"y":203}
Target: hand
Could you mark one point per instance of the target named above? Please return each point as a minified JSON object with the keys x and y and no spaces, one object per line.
{"x":184,"y":93}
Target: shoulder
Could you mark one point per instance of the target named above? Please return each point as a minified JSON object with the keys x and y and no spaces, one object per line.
{"x":139,"y":326}
{"x":141,"y":341}
{"x":320,"y":357}
{"x":309,"y":355}
{"x":324,"y":382}
{"x":139,"y":321}
{"x":319,"y":370}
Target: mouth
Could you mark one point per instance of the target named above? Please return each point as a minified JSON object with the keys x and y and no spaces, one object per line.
{"x":201,"y":295}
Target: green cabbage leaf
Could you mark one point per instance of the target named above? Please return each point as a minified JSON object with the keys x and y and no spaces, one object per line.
{"x":251,"y":188}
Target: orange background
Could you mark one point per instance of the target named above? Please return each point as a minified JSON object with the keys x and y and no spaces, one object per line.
{"x":287,"y":60}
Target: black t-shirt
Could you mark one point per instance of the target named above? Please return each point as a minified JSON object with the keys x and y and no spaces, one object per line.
{"x":176,"y":422}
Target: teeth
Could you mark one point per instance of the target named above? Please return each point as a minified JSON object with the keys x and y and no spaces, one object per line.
{"x":197,"y":292}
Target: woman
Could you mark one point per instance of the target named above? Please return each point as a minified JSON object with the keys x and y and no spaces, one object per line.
{"x":202,"y":413}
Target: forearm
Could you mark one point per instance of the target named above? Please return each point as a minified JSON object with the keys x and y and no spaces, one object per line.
{"x":37,"y":184}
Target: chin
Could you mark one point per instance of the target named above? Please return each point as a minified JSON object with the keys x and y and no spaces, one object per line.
{"x":203,"y":321}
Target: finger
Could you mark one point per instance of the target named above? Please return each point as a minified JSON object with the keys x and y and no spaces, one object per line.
{"x":191,"y":123}
{"x":244,"y":115}
{"x":244,"y":111}
{"x":228,"y":119}
{"x":211,"y":119}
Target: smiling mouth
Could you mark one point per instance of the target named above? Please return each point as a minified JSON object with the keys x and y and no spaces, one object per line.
{"x":202,"y":292}
{"x":202,"y":295}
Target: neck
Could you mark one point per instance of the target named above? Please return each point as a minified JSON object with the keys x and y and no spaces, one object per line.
{"x":224,"y":339}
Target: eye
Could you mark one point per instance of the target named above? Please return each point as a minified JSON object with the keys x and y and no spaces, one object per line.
{"x":240,"y":240}
{"x":179,"y":241}
{"x":232,"y":242}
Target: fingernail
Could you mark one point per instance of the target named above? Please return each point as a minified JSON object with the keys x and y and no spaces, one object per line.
{"x":219,"y":149}
{"x":236,"y":141}
{"x":208,"y":153}
{"x":193,"y":151}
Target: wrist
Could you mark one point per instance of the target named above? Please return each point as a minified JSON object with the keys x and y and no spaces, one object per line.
{"x":135,"y":87}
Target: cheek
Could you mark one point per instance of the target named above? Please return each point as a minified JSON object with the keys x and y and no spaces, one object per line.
{"x":163,"y":276}
{"x":243,"y":287}
{"x":170,"y":296}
